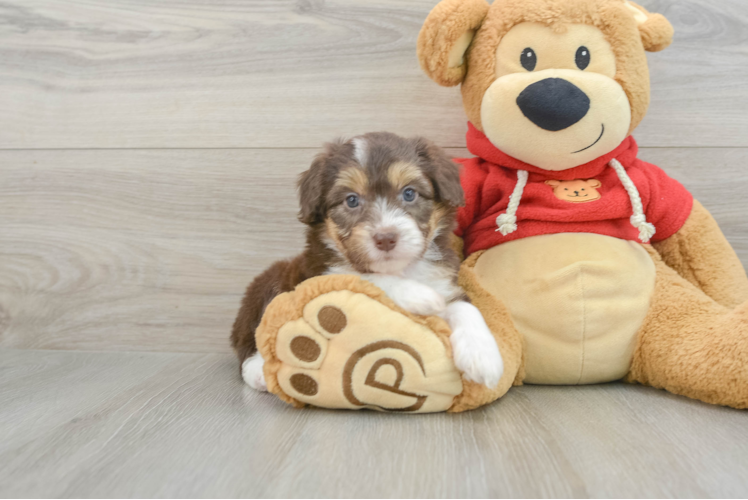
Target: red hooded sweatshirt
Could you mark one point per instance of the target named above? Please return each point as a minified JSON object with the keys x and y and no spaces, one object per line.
{"x":556,"y":207}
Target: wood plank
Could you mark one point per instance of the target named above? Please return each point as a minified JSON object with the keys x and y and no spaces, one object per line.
{"x":76,"y":424}
{"x":139,"y":250}
{"x":295,"y":73}
{"x":152,"y":250}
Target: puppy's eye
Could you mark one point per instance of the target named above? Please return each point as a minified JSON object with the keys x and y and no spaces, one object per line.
{"x":409,"y":194}
{"x":528,"y":59}
{"x":352,"y":201}
{"x":583,"y":57}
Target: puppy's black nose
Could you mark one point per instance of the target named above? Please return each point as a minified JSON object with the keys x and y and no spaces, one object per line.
{"x":553,"y":104}
{"x":385,"y":241}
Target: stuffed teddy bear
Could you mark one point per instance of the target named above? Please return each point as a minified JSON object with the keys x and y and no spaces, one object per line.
{"x":588,"y":264}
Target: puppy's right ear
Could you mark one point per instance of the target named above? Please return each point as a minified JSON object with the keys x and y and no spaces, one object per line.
{"x":443,"y":173}
{"x":446,"y":36}
{"x":312,"y":203}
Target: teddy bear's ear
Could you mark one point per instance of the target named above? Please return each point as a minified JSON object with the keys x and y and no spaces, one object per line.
{"x":446,"y":36}
{"x":594,"y":183}
{"x":655,"y":30}
{"x":553,"y":184}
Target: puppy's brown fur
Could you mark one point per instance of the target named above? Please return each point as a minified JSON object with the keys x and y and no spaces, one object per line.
{"x":376,"y":168}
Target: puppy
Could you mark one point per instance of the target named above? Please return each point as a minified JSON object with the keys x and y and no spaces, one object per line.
{"x":381,"y":207}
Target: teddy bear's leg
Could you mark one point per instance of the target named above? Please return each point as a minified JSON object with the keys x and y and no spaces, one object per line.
{"x":507,"y":337}
{"x":691,"y":345}
{"x":701,"y":254}
{"x":340,"y":342}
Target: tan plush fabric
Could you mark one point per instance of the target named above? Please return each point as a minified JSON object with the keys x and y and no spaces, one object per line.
{"x":613,"y":18}
{"x":507,"y":337}
{"x":656,"y":31}
{"x":691,"y":345}
{"x":700,"y":253}
{"x":688,"y":343}
{"x":444,"y":34}
{"x":450,"y":19}
{"x":504,"y":122}
{"x":339,"y":342}
{"x":457,"y":245}
{"x":693,"y":338}
{"x":578,"y":307}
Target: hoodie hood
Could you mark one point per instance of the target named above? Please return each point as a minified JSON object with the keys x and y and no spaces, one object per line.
{"x":479,"y":145}
{"x":507,"y":199}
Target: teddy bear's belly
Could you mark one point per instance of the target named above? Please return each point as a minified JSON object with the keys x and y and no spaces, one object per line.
{"x":578,"y":299}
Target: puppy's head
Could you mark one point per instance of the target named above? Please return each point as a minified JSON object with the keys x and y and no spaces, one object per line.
{"x":379,"y":200}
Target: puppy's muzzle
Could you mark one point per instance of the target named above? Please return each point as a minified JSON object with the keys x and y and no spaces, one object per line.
{"x":553,"y":104}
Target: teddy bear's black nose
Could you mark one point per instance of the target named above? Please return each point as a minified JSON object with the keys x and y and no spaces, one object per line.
{"x":553,"y":104}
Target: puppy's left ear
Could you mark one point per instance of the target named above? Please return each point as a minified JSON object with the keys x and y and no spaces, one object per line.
{"x":655,"y":30}
{"x":311,"y":186}
{"x":442,"y":171}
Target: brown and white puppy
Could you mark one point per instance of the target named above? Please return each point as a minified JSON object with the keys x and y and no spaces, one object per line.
{"x":381,"y":207}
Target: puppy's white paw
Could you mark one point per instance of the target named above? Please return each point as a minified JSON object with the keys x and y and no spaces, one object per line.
{"x":418,"y":298}
{"x":478,"y":359}
{"x":252,"y":372}
{"x":473,"y":347}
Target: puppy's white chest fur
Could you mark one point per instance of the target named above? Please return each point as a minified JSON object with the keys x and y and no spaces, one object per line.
{"x":438,"y":278}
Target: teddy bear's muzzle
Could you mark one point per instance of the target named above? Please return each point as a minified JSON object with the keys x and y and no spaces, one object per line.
{"x":553,"y":104}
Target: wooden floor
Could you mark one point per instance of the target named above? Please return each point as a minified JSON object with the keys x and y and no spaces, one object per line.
{"x":148,"y":151}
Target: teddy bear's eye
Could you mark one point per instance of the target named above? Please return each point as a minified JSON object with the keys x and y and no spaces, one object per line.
{"x":583,"y":57}
{"x":528,"y":59}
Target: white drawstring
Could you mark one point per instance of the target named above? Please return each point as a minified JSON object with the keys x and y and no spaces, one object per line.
{"x":507,"y":222}
{"x":638,"y":220}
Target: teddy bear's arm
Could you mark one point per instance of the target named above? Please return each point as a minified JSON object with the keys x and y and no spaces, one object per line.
{"x":701,"y":254}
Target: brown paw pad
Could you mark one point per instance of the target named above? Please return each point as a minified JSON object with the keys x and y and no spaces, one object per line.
{"x":332,"y":319}
{"x":304,"y":384}
{"x":305,"y":348}
{"x":300,"y":345}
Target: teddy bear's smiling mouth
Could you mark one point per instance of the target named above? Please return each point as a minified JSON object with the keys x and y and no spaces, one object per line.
{"x":598,"y":140}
